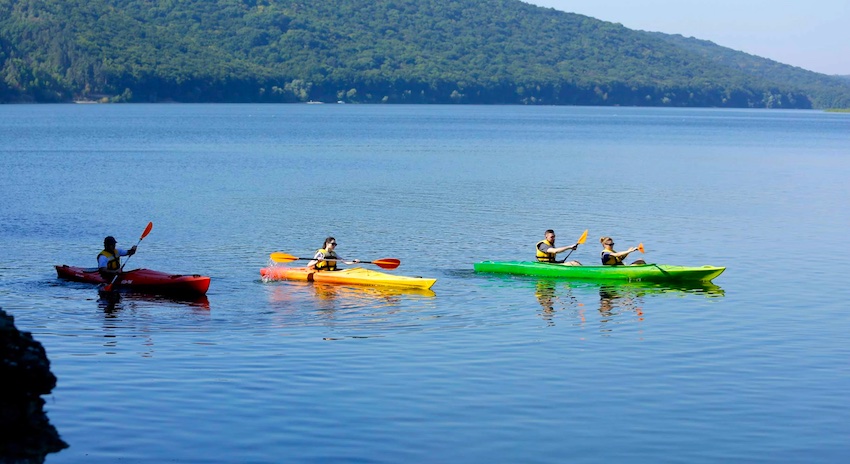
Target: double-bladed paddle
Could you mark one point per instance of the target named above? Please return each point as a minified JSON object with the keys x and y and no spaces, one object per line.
{"x":580,"y":241}
{"x":108,"y":288}
{"x":386,"y":263}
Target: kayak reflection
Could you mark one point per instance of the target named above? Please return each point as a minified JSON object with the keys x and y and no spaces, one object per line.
{"x":350,"y":294}
{"x":555,"y":295}
{"x":348,"y":311}
{"x":128,"y":322}
{"x":614,"y":300}
{"x":549,"y":298}
{"x":110,"y":302}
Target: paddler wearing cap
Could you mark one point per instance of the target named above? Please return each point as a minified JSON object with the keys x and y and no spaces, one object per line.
{"x":109,"y":260}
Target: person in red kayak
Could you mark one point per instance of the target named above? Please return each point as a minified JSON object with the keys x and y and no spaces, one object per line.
{"x":546,"y":250}
{"x":614,"y":258}
{"x":326,"y":257}
{"x":109,"y":260}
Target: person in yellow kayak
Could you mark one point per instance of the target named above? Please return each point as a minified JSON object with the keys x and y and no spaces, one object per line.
{"x":546,"y":250}
{"x":109,"y":260}
{"x":325,"y":258}
{"x":614,"y":258}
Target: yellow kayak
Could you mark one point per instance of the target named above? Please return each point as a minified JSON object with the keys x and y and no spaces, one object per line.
{"x":353,"y":276}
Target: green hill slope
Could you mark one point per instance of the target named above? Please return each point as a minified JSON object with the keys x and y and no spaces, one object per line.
{"x":825,"y":91}
{"x":396,"y":51}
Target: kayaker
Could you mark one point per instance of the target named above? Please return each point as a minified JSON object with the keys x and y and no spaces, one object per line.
{"x":546,"y":250}
{"x":109,"y":260}
{"x":614,"y":258}
{"x":326,"y":257}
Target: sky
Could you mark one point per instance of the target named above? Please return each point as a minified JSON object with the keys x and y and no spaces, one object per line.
{"x":811,"y":34}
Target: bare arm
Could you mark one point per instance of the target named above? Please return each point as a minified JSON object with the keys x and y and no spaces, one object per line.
{"x":623,"y":254}
{"x":561,"y":249}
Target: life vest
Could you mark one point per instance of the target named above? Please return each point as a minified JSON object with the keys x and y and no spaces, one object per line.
{"x":326,"y":265}
{"x":544,"y":257}
{"x":612,"y":260}
{"x":114,"y":261}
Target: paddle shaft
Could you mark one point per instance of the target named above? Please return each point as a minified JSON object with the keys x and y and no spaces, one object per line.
{"x":386,"y":263}
{"x":578,"y":242}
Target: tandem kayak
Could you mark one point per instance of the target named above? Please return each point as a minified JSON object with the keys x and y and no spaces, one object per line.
{"x":354,"y":276}
{"x":141,"y":280}
{"x":635,"y":273}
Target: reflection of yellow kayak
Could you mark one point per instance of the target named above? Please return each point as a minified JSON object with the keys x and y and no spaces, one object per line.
{"x":348,"y":294}
{"x":353,"y":276}
{"x":368,"y":293}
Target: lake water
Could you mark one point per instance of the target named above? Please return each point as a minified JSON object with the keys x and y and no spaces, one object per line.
{"x":485,"y":368}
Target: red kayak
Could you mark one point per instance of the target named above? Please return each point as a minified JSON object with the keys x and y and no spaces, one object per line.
{"x":141,"y":280}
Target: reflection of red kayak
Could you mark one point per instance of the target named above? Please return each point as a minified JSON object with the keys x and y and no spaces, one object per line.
{"x":142,"y":280}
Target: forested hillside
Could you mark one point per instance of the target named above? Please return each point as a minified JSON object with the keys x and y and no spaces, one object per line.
{"x":393,"y":51}
{"x":826,"y":91}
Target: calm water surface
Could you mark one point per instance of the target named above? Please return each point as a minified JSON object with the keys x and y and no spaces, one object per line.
{"x":483,"y":369}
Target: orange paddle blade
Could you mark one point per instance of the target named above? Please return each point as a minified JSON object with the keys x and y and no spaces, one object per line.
{"x":583,"y":237}
{"x":279,"y":257}
{"x":147,"y":231}
{"x":640,"y":248}
{"x":386,"y":263}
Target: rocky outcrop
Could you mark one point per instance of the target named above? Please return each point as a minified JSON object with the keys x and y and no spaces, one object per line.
{"x":26,"y":435}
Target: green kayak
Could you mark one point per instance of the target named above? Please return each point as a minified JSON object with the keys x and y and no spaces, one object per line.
{"x":636,"y":273}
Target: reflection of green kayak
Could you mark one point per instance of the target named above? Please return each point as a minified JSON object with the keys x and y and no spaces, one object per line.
{"x":636,"y":273}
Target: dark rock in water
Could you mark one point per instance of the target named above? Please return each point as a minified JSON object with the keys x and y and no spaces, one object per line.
{"x":26,"y":435}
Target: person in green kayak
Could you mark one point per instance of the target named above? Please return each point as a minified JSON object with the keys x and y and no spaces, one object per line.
{"x":325,"y":258}
{"x":109,"y":260}
{"x":614,"y":258}
{"x":546,"y":250}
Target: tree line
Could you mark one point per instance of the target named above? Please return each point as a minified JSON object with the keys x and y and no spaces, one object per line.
{"x":374,"y":51}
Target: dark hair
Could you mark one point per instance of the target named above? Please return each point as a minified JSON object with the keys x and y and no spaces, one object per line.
{"x":328,"y":240}
{"x":550,"y":231}
{"x":109,"y":239}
